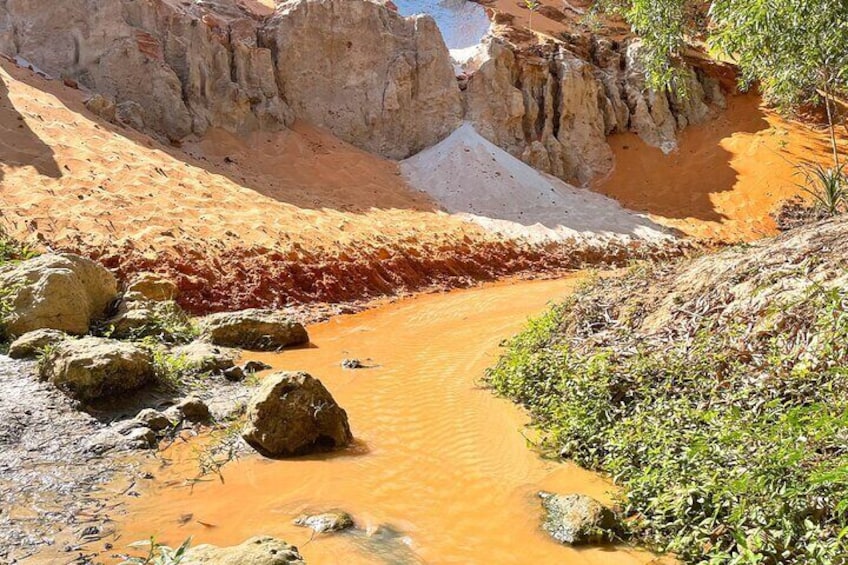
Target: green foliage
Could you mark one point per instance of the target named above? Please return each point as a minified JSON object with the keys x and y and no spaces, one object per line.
{"x":158,"y":554}
{"x":172,"y":371}
{"x":532,"y":5}
{"x":727,"y":448}
{"x":662,"y":26}
{"x":828,"y":186}
{"x":167,"y":324}
{"x":791,"y":47}
{"x":13,"y":250}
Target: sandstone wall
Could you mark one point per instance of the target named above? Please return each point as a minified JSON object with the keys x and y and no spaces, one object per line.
{"x":553,"y":108}
{"x":375,"y":79}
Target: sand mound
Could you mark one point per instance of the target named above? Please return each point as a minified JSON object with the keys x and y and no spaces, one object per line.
{"x":472,"y":177}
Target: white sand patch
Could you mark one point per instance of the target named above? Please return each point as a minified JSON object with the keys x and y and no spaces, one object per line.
{"x":463,"y":25}
{"x":472,"y":177}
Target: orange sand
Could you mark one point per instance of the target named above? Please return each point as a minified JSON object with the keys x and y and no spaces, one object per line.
{"x":727,"y":177}
{"x":437,"y":457}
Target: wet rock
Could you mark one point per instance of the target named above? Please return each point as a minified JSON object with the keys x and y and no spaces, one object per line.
{"x":31,"y":344}
{"x":194,"y":409}
{"x":154,"y":419}
{"x":90,"y":368}
{"x":234,"y":374}
{"x":375,"y":79}
{"x":326,"y":522}
{"x":254,"y":329}
{"x":576,"y":519}
{"x":151,"y":286}
{"x":293,"y":414}
{"x":352,"y":364}
{"x":255,"y":367}
{"x":255,"y":551}
{"x":207,"y":358}
{"x":56,"y":291}
{"x":141,"y":438}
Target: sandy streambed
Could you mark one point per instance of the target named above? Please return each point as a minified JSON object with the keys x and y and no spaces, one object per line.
{"x":439,"y":460}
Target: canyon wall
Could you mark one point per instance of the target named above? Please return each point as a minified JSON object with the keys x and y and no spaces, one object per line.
{"x":375,"y":79}
{"x":554,"y":105}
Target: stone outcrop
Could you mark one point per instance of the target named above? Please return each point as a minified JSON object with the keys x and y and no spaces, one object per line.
{"x":374,"y":78}
{"x":335,"y":521}
{"x":254,"y":329}
{"x":90,"y":368}
{"x":150,"y":286}
{"x":55,"y":291}
{"x":554,"y":105}
{"x":380,"y":81}
{"x":31,"y":344}
{"x":293,"y":414}
{"x":576,"y":519}
{"x":261,"y":550}
{"x":172,"y":69}
{"x":136,"y":319}
{"x":205,"y":357}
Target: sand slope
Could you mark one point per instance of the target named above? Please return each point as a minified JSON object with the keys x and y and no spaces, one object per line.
{"x":727,"y":176}
{"x":470,"y":176}
{"x":272,"y":220}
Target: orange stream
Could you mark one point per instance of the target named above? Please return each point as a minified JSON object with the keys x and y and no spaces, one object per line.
{"x":438,"y":459}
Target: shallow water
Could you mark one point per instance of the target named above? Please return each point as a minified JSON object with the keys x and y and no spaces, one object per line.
{"x":441,"y":461}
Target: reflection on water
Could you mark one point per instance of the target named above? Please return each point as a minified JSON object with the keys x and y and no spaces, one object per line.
{"x":447,"y":476}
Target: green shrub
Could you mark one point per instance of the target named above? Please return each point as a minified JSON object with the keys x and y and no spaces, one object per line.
{"x":727,"y":450}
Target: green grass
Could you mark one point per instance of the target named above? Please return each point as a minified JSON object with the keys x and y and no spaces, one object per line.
{"x":728,"y":448}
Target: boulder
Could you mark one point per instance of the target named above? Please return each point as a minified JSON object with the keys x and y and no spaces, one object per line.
{"x":575,"y":519}
{"x":90,"y":368}
{"x":207,"y":358}
{"x":154,"y":419}
{"x":194,"y":409}
{"x":255,"y":329}
{"x":335,"y":521}
{"x":32,"y":343}
{"x":151,"y":286}
{"x":293,"y":414}
{"x":261,"y":550}
{"x":136,"y":319}
{"x":375,"y":79}
{"x":55,"y":291}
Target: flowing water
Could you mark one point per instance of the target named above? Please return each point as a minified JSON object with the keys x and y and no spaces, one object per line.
{"x":441,"y":472}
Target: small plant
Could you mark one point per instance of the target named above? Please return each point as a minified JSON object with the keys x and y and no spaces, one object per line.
{"x":591,"y":21}
{"x":13,"y":250}
{"x":533,"y":6}
{"x":828,"y":186}
{"x":171,"y":370}
{"x":158,"y":554}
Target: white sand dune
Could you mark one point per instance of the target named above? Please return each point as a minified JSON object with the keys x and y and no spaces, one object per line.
{"x":472,"y":177}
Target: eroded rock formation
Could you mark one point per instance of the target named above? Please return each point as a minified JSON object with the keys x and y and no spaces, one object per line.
{"x":554,"y":105}
{"x":374,"y":78}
